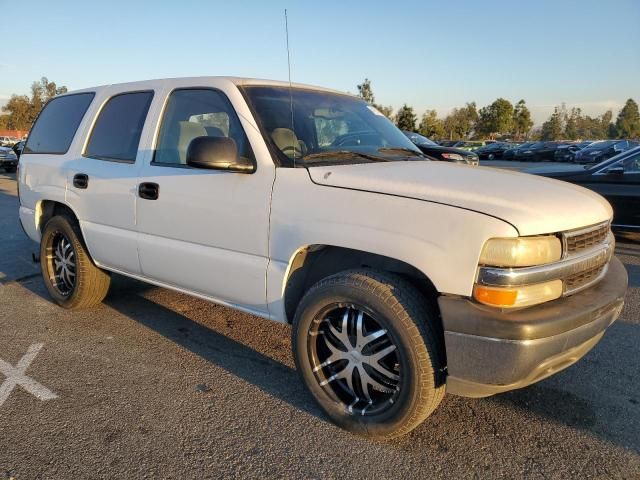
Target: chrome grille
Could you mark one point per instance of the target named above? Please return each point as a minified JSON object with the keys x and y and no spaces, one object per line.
{"x":583,"y":279}
{"x":584,"y":239}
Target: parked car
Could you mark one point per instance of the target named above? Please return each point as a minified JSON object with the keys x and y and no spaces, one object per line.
{"x":493,"y":150}
{"x":448,"y":143}
{"x":617,"y":179}
{"x":602,"y":150}
{"x":529,"y":154}
{"x":546,"y":152}
{"x":438,"y":152}
{"x":511,"y":153}
{"x":7,"y":141}
{"x":471,"y":145}
{"x":8,"y":160}
{"x":18,"y":147}
{"x":566,"y":153}
{"x":402,"y":277}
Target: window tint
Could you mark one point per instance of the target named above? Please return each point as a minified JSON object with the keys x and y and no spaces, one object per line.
{"x":116,"y":134}
{"x":57,"y":124}
{"x":632,"y":165}
{"x":192,"y":113}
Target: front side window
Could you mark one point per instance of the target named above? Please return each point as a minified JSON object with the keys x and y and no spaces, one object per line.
{"x":56,"y":126}
{"x":116,"y":133}
{"x":314,"y":127}
{"x":192,"y":113}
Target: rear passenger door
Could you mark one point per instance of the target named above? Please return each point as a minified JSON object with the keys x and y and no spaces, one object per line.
{"x":205,"y":231}
{"x":101,"y":181}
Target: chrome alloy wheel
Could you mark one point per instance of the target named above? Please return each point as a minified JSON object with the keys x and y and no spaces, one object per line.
{"x":61,"y":264}
{"x":354,"y":359}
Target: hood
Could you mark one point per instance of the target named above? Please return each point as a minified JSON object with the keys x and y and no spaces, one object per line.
{"x":533,"y":205}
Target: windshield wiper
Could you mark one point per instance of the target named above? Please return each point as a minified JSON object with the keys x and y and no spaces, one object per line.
{"x":340,"y":154}
{"x":403,"y":150}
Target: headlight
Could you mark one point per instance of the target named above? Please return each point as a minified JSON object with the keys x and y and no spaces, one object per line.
{"x":453,"y":156}
{"x":521,"y":251}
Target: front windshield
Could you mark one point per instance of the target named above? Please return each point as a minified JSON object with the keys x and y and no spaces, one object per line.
{"x":326,"y":127}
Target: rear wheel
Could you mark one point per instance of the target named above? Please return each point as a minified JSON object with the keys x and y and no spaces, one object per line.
{"x":69,"y":274}
{"x":366,"y":346}
{"x":11,"y":169}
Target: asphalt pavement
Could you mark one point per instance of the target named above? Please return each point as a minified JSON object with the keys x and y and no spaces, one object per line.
{"x":158,"y":384}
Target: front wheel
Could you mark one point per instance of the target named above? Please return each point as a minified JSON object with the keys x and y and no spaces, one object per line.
{"x":69,"y":274}
{"x":367,"y":348}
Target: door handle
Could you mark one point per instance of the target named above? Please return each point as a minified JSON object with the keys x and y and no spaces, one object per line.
{"x":81,"y":180}
{"x":149,"y":191}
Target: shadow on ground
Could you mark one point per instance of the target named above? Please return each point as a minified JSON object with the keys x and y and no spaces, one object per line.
{"x":575,"y":400}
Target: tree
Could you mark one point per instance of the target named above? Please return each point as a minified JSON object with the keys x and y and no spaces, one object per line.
{"x":366,"y":93}
{"x":628,"y":121}
{"x":571,"y":128}
{"x":386,"y":111}
{"x":521,"y":120}
{"x":553,"y":128}
{"x":22,"y":110}
{"x":461,"y":122}
{"x":430,"y":125}
{"x":406,"y":119}
{"x":496,"y":118}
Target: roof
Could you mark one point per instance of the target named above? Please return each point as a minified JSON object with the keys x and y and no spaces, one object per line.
{"x":238,"y":81}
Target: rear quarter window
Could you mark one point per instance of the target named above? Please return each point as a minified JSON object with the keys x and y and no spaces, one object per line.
{"x":57,"y":123}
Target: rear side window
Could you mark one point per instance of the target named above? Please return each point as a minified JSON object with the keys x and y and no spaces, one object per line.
{"x":57,"y":124}
{"x":116,"y":133}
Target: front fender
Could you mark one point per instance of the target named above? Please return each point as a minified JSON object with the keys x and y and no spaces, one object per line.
{"x":441,"y":241}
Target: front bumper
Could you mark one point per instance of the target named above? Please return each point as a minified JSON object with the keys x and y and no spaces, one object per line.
{"x":491,"y":351}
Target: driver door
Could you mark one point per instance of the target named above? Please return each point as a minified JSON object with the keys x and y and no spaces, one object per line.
{"x":201,"y":230}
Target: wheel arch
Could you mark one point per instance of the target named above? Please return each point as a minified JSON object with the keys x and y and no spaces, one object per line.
{"x":47,"y":209}
{"x":311,"y":263}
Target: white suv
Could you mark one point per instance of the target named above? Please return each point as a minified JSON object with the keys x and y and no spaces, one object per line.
{"x":402,"y":277}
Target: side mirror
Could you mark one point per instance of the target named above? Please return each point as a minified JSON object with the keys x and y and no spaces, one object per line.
{"x":614,"y":171}
{"x":217,"y":153}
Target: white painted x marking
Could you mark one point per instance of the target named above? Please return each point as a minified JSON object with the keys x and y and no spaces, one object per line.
{"x":15,"y":376}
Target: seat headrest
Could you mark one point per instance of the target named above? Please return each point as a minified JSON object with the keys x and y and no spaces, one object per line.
{"x":286,"y":140}
{"x":187,"y":132}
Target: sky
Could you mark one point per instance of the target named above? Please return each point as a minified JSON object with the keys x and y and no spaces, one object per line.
{"x":428,"y":54}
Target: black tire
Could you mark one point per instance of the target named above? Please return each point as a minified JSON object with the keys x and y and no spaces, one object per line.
{"x":91,"y":284}
{"x":411,"y":325}
{"x":11,"y":169}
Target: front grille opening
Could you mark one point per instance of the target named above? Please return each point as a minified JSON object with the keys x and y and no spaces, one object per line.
{"x":584,"y":241}
{"x":582,"y":279}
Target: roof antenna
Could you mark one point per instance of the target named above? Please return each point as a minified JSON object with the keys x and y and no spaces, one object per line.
{"x":286,"y":28}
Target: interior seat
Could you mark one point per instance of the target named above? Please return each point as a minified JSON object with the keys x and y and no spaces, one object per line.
{"x":286,"y":140}
{"x":187,"y":132}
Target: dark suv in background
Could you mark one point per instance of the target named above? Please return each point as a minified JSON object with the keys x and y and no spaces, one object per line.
{"x":512,"y":153}
{"x":493,"y":150}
